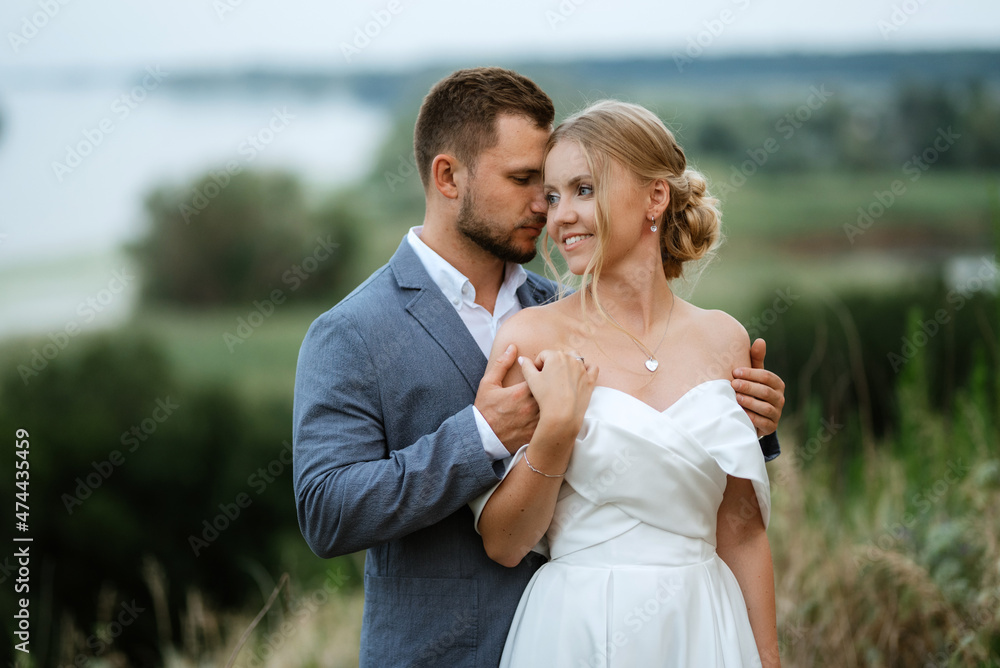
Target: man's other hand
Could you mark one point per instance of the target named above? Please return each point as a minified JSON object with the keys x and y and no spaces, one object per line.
{"x":759,"y":391}
{"x":511,"y":411}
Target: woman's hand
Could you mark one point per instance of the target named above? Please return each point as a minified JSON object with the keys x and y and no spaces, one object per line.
{"x":561,"y":383}
{"x":519,"y":511}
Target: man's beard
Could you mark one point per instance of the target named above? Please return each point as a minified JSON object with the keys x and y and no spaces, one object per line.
{"x":477,"y":230}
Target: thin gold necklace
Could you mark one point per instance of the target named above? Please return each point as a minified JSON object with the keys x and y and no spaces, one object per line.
{"x":652,"y":363}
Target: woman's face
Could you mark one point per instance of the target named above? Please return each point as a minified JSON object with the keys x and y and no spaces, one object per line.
{"x":569,"y":194}
{"x":571,"y":198}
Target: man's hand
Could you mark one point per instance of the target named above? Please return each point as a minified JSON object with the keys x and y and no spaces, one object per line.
{"x":759,"y":391}
{"x":511,"y":411}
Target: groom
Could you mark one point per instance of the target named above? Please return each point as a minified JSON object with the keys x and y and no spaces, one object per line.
{"x":398,"y":423}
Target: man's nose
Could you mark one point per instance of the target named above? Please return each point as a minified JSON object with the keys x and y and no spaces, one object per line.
{"x":538,"y":203}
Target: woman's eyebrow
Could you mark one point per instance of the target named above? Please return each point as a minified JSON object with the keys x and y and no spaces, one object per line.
{"x":573,"y":181}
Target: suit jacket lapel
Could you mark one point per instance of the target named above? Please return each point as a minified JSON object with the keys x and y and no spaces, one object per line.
{"x":436,"y":315}
{"x":534,"y":291}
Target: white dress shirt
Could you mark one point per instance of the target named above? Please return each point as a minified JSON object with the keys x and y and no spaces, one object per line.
{"x":482,"y":324}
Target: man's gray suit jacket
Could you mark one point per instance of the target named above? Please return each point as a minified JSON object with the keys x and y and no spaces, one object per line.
{"x":387,"y":455}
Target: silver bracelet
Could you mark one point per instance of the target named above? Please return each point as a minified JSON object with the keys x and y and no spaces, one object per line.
{"x":561,"y":475}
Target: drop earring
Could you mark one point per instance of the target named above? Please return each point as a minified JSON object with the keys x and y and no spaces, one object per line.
{"x":652,"y":228}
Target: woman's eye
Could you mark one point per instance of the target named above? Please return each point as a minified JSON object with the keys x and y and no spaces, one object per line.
{"x":552,"y":199}
{"x":586,"y":190}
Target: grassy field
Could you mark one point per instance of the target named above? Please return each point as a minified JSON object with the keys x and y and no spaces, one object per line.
{"x":260,"y":365}
{"x":902,"y":571}
{"x":789,"y":207}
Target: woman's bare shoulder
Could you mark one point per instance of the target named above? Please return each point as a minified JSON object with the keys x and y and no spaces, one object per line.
{"x":531,"y":329}
{"x":724,"y":338}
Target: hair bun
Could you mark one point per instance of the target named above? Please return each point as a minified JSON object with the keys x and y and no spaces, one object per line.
{"x":693,"y":223}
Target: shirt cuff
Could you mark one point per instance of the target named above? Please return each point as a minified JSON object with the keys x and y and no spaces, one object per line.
{"x":770,"y":447}
{"x":495,"y":450}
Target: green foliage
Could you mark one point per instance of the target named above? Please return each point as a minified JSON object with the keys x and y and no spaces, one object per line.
{"x":129,"y":462}
{"x":234,"y":239}
{"x":899,"y":567}
{"x":850,"y":352}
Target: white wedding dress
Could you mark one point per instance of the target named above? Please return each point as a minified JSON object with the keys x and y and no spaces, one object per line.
{"x":633,"y":578}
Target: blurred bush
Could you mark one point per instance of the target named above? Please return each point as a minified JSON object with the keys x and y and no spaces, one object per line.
{"x":844,"y":355}
{"x":899,"y":566}
{"x":232,"y":239}
{"x":128,"y":464}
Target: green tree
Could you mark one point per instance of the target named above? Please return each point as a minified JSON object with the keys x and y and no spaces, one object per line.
{"x":232,"y":239}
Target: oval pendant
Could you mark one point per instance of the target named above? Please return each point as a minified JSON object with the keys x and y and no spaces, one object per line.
{"x":651,"y":364}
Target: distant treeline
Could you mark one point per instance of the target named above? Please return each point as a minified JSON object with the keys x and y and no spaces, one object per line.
{"x":682,"y":67}
{"x":910,"y":127}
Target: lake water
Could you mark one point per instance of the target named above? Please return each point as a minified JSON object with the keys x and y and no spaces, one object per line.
{"x":77,"y":160}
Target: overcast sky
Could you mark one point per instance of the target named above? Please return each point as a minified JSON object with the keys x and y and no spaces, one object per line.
{"x":226,"y":33}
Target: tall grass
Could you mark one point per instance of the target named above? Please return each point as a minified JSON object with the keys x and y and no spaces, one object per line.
{"x":307,"y":627}
{"x":892,"y":563}
{"x":896,"y":563}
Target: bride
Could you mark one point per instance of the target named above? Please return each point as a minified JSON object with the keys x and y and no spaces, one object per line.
{"x":647,"y":491}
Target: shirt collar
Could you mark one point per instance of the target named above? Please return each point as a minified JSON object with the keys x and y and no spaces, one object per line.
{"x":453,"y":283}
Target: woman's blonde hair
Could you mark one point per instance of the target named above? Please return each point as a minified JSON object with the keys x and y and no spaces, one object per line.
{"x":610,"y":132}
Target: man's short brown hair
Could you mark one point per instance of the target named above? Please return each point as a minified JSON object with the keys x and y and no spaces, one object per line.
{"x":459,"y":114}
